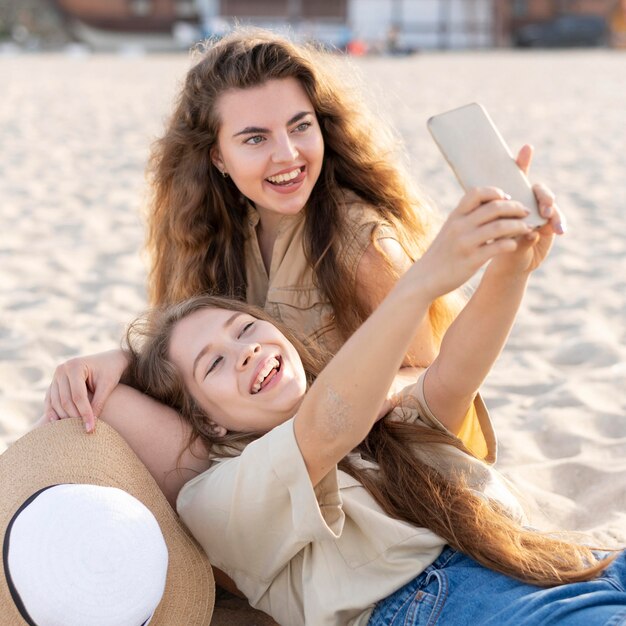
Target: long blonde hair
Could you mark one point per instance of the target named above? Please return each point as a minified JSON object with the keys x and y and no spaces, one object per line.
{"x":406,"y":487}
{"x":197,"y":218}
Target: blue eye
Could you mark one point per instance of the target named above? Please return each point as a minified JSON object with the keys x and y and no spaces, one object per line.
{"x":255,"y":140}
{"x":302,"y":127}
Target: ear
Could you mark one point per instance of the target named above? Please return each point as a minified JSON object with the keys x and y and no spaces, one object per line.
{"x":216,"y":429}
{"x":216,"y":159}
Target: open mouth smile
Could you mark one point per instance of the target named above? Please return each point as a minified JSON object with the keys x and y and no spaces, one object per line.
{"x":287,"y":179}
{"x":266,"y":373}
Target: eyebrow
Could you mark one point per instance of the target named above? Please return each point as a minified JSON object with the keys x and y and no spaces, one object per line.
{"x":227,"y":324}
{"x":257,"y":129}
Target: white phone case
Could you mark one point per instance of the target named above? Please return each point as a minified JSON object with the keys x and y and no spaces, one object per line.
{"x":477,"y":154}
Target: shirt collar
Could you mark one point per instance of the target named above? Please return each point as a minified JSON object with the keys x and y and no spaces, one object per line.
{"x":287,"y":222}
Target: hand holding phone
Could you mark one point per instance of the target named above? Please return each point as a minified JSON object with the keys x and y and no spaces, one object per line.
{"x":479,"y":157}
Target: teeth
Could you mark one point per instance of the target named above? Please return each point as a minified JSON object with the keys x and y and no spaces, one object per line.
{"x":269,"y":366}
{"x":283,"y":178}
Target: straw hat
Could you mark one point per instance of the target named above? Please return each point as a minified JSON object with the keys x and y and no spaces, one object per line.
{"x":81,"y":518}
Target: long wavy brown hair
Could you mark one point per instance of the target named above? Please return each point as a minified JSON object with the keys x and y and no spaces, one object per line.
{"x":406,"y":487}
{"x":196,"y":218}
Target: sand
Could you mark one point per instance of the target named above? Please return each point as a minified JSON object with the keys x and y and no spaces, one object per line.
{"x":74,"y":138}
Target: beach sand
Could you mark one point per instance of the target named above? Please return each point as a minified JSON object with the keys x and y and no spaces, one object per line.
{"x":74,"y":138}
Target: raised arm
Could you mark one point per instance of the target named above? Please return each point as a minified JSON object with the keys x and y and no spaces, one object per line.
{"x":472,"y":344}
{"x":475,"y":339}
{"x":343,"y":404}
{"x":376,"y":277}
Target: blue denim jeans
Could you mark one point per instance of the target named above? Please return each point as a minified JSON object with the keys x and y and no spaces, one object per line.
{"x":457,"y":591}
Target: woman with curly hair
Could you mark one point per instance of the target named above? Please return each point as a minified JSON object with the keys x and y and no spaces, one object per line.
{"x":274,"y":185}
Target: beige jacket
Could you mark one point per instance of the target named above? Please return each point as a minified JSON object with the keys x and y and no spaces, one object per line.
{"x":289,"y":293}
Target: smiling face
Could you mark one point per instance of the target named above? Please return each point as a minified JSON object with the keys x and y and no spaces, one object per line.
{"x":240,"y":370}
{"x":271,"y":145}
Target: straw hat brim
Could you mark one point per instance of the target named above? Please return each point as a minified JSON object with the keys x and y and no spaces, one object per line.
{"x":61,"y":452}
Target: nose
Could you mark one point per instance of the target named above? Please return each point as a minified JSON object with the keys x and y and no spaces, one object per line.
{"x":285,"y":150}
{"x":245,"y":356}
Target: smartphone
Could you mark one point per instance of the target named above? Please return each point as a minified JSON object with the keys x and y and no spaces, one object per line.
{"x":477,"y":154}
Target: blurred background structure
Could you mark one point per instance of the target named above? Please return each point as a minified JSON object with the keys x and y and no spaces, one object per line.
{"x":358,"y":26}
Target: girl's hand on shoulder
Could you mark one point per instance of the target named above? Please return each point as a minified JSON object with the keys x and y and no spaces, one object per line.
{"x":81,"y":386}
{"x":485,"y":224}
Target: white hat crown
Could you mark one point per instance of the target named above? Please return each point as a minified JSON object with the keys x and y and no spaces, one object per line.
{"x":90,"y":539}
{"x":87,"y":555}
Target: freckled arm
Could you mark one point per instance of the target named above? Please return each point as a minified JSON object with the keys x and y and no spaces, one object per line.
{"x":343,"y":404}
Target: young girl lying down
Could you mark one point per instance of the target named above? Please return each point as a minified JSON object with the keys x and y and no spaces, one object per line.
{"x":326,"y":502}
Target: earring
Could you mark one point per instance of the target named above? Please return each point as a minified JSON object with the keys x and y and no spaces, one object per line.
{"x":216,"y":430}
{"x":224,"y":174}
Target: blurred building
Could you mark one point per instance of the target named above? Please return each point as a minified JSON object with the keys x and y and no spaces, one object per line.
{"x":618,"y":25}
{"x":412,"y":24}
{"x":521,"y":12}
{"x":396,"y":24}
{"x":518,"y":14}
{"x":31,"y":24}
{"x":148,"y":24}
{"x":359,"y":25}
{"x":129,"y":15}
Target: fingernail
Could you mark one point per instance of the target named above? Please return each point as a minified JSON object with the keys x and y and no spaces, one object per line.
{"x":559,"y":228}
{"x":507,"y":196}
{"x":88,"y":428}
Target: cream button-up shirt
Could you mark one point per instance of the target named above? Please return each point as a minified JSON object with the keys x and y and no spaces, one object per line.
{"x":322,"y":555}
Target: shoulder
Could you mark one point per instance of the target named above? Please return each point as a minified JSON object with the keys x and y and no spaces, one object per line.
{"x":380,"y":265}
{"x":370,"y":242}
{"x":358,"y":212}
{"x":476,"y":431}
{"x":383,"y":254}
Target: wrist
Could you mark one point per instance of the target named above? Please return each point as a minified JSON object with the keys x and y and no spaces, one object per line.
{"x":422,"y":284}
{"x":519,"y":275}
{"x":503,"y":285}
